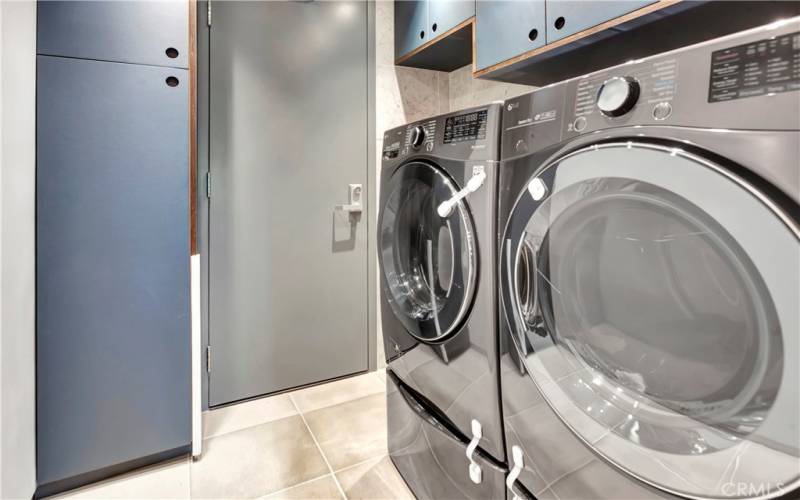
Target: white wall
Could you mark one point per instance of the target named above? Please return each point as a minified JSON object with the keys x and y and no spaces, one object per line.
{"x":17,"y":251}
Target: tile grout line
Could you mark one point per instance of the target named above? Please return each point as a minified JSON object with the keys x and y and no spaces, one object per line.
{"x":321,"y":452}
{"x":370,"y":459}
{"x":307,"y":481}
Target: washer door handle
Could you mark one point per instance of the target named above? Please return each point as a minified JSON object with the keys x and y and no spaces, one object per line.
{"x":445,"y":208}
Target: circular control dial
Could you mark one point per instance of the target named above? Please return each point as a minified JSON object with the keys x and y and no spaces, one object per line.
{"x":417,"y":136}
{"x":618,"y":95}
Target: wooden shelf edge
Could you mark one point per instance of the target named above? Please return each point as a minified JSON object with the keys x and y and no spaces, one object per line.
{"x":400,"y":60}
{"x":192,"y":4}
{"x":630,"y":16}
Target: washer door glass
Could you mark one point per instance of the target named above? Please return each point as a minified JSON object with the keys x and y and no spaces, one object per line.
{"x":428,"y":261}
{"x":655,"y":298}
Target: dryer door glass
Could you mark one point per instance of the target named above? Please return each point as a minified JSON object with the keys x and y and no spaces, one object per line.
{"x":655,"y":299}
{"x":427,"y":261}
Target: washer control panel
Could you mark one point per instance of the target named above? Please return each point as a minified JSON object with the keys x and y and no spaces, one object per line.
{"x":465,"y":127}
{"x":470,"y":134}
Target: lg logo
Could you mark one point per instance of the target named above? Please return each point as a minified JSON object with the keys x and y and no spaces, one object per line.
{"x":513,"y":105}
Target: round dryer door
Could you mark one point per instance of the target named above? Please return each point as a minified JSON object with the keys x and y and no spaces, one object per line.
{"x":654,"y":297}
{"x":428,"y":261}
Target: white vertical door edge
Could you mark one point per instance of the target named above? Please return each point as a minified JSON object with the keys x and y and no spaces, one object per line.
{"x":197,"y":360}
{"x":17,"y":249}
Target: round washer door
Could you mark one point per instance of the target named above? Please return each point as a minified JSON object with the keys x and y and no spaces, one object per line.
{"x":654,"y":297}
{"x":428,"y":262}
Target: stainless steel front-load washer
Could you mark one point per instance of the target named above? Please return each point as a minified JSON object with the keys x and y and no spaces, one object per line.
{"x":649,"y":270}
{"x":437,"y":233}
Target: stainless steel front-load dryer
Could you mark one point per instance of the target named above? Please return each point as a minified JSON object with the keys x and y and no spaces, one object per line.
{"x":437,"y":234}
{"x":649,"y":269}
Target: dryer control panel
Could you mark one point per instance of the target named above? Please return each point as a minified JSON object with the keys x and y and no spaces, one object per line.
{"x":746,"y":81}
{"x":763,"y":67}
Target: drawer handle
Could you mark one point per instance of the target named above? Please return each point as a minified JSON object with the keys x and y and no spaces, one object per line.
{"x":518,"y":463}
{"x":172,"y":81}
{"x":171,"y":52}
{"x":560,"y":22}
{"x":475,"y":472}
{"x":532,"y":34}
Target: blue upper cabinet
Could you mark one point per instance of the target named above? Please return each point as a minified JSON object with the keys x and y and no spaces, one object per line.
{"x":444,"y":15}
{"x":410,"y":26}
{"x":152,"y":33}
{"x":567,"y":17}
{"x":505,"y":29}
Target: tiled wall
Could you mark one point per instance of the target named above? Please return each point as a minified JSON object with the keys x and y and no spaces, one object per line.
{"x":466,"y":91}
{"x":407,"y":94}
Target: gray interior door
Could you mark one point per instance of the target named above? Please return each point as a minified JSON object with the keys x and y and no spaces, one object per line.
{"x":288,"y":133}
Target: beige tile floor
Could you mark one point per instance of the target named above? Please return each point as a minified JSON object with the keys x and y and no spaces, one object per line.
{"x":327,"y":441}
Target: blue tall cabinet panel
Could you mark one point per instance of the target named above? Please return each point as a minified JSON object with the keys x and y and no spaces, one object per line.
{"x":138,"y":32}
{"x":567,"y":17}
{"x":507,"y":28}
{"x":113,"y":331}
{"x":444,"y":15}
{"x":410,"y":25}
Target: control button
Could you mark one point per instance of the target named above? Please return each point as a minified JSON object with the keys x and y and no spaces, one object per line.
{"x":417,"y":136}
{"x":662,"y":110}
{"x":579,"y":125}
{"x":618,"y":95}
{"x":429,"y":147}
{"x":520,"y":146}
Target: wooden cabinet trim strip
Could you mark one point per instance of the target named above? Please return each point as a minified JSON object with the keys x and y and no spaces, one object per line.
{"x":444,"y":35}
{"x":630,"y":16}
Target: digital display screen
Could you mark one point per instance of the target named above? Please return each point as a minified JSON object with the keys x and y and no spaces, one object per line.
{"x":466,"y":127}
{"x":768,"y":66}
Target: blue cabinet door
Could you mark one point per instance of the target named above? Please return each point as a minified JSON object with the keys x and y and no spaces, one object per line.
{"x":112,"y":265}
{"x":410,"y":25}
{"x":567,"y":17}
{"x":505,"y":29}
{"x":136,"y":32}
{"x":444,"y":15}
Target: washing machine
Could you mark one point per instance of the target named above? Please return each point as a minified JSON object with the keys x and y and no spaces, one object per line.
{"x":649,"y":269}
{"x":437,"y":236}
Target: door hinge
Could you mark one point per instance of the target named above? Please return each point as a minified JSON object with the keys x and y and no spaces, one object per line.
{"x":208,"y":184}
{"x":208,"y":13}
{"x":208,"y":358}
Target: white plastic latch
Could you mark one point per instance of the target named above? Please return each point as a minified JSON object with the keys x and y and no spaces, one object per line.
{"x":537,"y":188}
{"x":353,"y":205}
{"x":475,"y":473}
{"x":518,"y":463}
{"x":476,"y":181}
